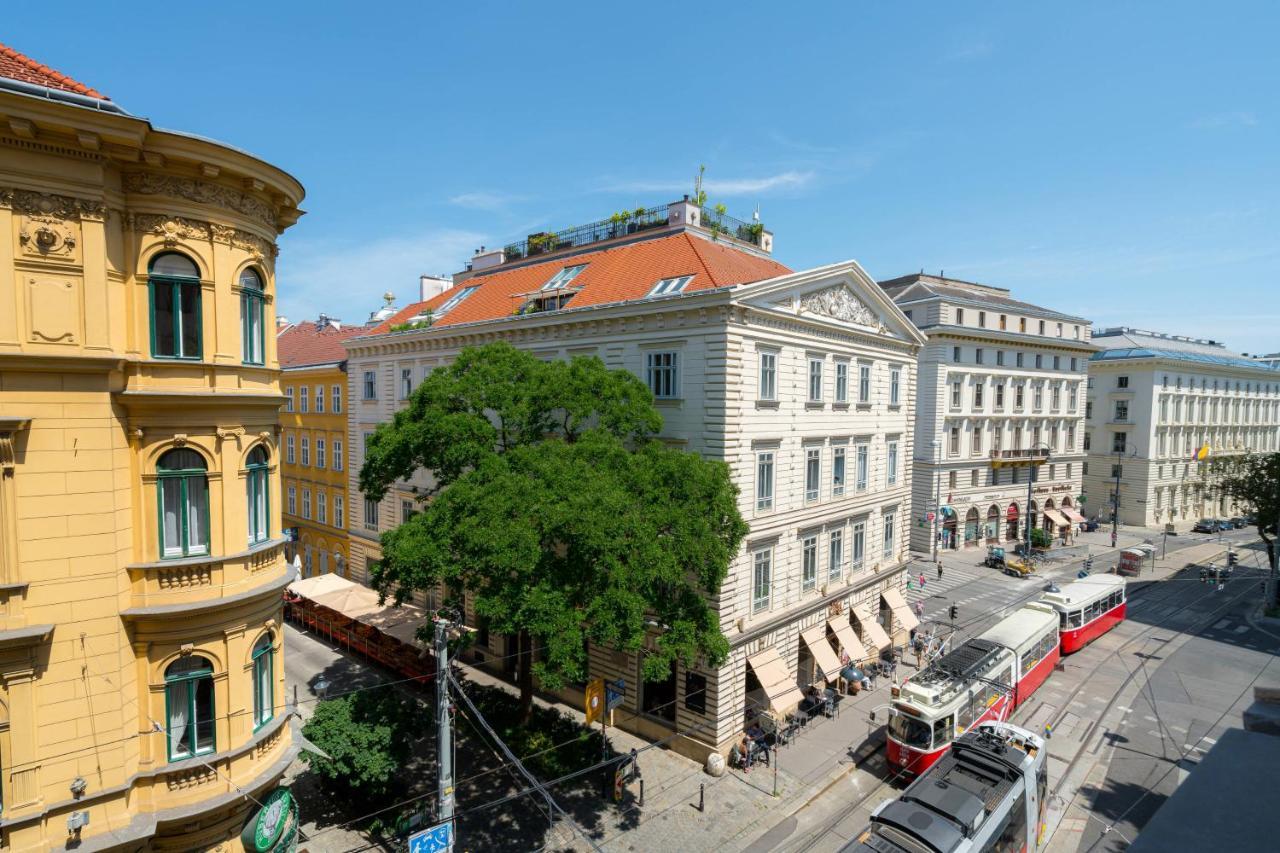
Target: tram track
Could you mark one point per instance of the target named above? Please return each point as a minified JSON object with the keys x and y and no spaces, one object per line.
{"x":885,"y":786}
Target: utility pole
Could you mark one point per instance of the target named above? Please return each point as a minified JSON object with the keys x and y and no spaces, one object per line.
{"x":444,"y":727}
{"x":1115,"y":498}
{"x":937,"y":494}
{"x":1275,"y":567}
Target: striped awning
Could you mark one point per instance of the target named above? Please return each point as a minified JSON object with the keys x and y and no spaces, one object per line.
{"x":1070,"y":513}
{"x":778,"y":684}
{"x":825,"y":656}
{"x":1057,"y":518}
{"x":873,"y":636}
{"x":849,"y":642}
{"x":907,"y":620}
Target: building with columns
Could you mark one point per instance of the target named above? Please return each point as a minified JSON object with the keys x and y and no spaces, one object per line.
{"x":802,"y":382}
{"x":141,"y":564}
{"x":1000,"y":402}
{"x":1154,"y":401}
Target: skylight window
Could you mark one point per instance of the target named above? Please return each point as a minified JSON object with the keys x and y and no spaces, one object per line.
{"x":562,"y":278}
{"x":671,"y":285}
{"x":456,"y":298}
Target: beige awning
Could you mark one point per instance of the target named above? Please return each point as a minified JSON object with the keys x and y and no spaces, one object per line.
{"x":778,"y":684}
{"x":907,"y":620}
{"x":1070,"y":513}
{"x":1057,"y":518}
{"x":319,"y":585}
{"x":825,"y":656}
{"x":873,"y":635}
{"x":353,"y":602}
{"x":849,"y":642}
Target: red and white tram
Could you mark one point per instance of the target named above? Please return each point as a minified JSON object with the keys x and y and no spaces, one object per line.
{"x":1087,"y":609}
{"x":982,"y":680}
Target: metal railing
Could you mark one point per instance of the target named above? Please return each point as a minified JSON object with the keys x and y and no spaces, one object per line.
{"x":1022,"y":453}
{"x":723,"y":223}
{"x":618,"y":225}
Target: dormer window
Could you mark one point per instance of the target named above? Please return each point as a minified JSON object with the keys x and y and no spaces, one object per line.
{"x":671,"y":285}
{"x":562,"y":278}
{"x":456,"y":298}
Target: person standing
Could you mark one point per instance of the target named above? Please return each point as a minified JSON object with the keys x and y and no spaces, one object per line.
{"x":939,"y":571}
{"x":922,"y":581}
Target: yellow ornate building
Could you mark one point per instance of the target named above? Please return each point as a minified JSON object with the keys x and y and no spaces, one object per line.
{"x":141,"y":557}
{"x":314,"y":433}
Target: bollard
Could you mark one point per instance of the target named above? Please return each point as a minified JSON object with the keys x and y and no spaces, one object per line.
{"x":642,"y":793}
{"x":702,"y":797}
{"x":775,"y":771}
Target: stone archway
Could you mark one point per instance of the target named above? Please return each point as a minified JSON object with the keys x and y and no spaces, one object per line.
{"x":1011,"y":520}
{"x":972,"y":532}
{"x":991,"y":530}
{"x":950,"y":531}
{"x":1048,"y":522}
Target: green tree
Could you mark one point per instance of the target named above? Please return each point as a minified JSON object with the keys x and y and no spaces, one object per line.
{"x":368,"y":738}
{"x":557,"y":513}
{"x":1252,"y":480}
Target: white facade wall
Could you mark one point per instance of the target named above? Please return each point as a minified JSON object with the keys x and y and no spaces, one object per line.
{"x":718,"y":411}
{"x":1163,"y":410}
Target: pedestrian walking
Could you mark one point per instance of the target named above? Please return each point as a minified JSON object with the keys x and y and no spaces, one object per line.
{"x":922,"y":581}
{"x":939,"y":571}
{"x":1048,"y":731}
{"x":919,"y":609}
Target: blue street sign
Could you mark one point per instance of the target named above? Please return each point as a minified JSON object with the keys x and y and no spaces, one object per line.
{"x":437,"y":839}
{"x":614,"y":691}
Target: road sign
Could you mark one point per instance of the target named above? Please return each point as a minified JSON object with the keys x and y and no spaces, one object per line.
{"x":593,"y":700}
{"x":437,"y":839}
{"x":928,"y":516}
{"x":614,"y":693}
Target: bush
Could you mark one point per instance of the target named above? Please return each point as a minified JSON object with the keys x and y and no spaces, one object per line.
{"x":368,"y":738}
{"x":1040,"y":538}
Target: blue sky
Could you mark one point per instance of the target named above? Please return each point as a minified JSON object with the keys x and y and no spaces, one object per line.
{"x":1116,"y":160}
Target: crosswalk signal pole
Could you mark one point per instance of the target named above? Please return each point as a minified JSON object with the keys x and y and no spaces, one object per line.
{"x":444,"y":727}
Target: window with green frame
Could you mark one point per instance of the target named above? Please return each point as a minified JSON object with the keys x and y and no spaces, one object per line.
{"x":259,"y":497}
{"x":263,"y":681}
{"x":174,"y":284}
{"x":183,"y":503}
{"x":252,"y":339}
{"x":189,"y":707}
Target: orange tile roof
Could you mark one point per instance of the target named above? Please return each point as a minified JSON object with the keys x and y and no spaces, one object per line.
{"x":307,"y":343}
{"x":613,"y":274}
{"x":19,"y":66}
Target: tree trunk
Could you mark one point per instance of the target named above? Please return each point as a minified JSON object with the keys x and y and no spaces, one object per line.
{"x":525,"y":676}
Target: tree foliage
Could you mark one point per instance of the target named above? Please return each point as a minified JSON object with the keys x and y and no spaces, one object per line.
{"x":1252,"y":480}
{"x":558,"y":513}
{"x":367,"y":736}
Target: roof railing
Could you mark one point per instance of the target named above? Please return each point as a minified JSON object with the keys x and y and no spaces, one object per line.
{"x":619,"y":225}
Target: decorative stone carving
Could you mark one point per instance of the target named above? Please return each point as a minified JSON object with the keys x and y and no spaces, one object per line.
{"x":51,"y":205}
{"x":180,"y":439}
{"x":172,"y":228}
{"x":53,"y":310}
{"x":45,"y":236}
{"x":841,"y":303}
{"x":226,"y":433}
{"x":203,"y":192}
{"x":236,"y":238}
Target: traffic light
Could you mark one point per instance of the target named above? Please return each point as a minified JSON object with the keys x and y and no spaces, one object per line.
{"x":1233,"y":558}
{"x":955,"y":611}
{"x":1088,"y":564}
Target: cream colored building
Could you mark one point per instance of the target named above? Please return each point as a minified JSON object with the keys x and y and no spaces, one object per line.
{"x":141,"y":564}
{"x":802,"y":382}
{"x":1154,"y":400}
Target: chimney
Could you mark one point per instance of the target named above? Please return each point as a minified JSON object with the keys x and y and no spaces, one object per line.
{"x":281,"y":321}
{"x":487,"y":260}
{"x":432,"y":285}
{"x":684,"y":212}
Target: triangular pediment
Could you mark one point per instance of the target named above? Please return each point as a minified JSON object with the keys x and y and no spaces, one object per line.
{"x":839,"y":302}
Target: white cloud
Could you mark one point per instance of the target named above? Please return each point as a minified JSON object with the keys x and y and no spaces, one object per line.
{"x":1221,"y":120}
{"x":789,"y":180}
{"x":347,"y":280}
{"x":481,"y":200}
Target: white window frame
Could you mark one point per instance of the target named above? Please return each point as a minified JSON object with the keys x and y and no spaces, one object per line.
{"x":812,"y":474}
{"x":858,"y":542}
{"x":766,"y":474}
{"x":304,"y":451}
{"x":864,"y":383}
{"x":808,"y":563}
{"x":337,"y":455}
{"x":406,"y":382}
{"x":768,"y":384}
{"x":861,"y":466}
{"x":306,"y":503}
{"x":761,"y":579}
{"x":839,"y":470}
{"x":815,"y":379}
{"x":322,"y":507}
{"x":835,"y":555}
{"x":890,"y":534}
{"x":320,"y":452}
{"x":895,"y":386}
{"x":339,"y":511}
{"x":336,"y":395}
{"x":370,"y":385}
{"x":293,"y":500}
{"x":891,"y":463}
{"x":288,"y":399}
{"x":319,"y":399}
{"x":842,"y":382}
{"x":676,"y":284}
{"x":663,"y":378}
{"x":290,"y":455}
{"x":370,"y":514}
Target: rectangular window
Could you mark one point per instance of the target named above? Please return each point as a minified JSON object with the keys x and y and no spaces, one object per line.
{"x":815,"y":380}
{"x":175,"y":317}
{"x":959,"y":316}
{"x":835,"y":556}
{"x":956,"y":391}
{"x":406,"y":511}
{"x":812,"y":471}
{"x":1118,"y":441}
{"x":1122,"y":381}
{"x":1088,"y":410}
{"x":861,"y":455}
{"x":288,"y":449}
{"x":1004,"y":322}
{"x":977,"y":440}
{"x":252,"y":334}
{"x":889,"y":519}
{"x":895,"y":386}
{"x":978,"y":394}
{"x":336,"y":397}
{"x":953,"y":447}
{"x":999,"y":358}
{"x":319,"y":399}
{"x":406,"y":382}
{"x":1017,"y":359}
{"x":982,"y":319}
{"x":337,"y":454}
{"x":1038,"y":396}
{"x":864,"y":383}
{"x":859,"y":543}
{"x":1042,"y":327}
{"x":322,"y":508}
{"x":320,"y":452}
{"x":764,"y":480}
{"x":977,"y":356}
{"x":1039,"y":361}
{"x":952,"y":478}
{"x":306,"y":450}
{"x":837,"y":471}
{"x":293,"y":500}
{"x":842,"y":381}
{"x":304,"y":400}
{"x":768,"y":376}
{"x":761,"y":580}
{"x":1122,"y":410}
{"x":809,"y":563}
{"x":661,"y":370}
{"x":955,"y":355}
{"x":288,"y":399}
{"x":370,"y":514}
{"x":306,"y":503}
{"x":1000,"y":396}
{"x":1116,"y":472}
{"x":1022,"y":326}
{"x":891,"y":464}
{"x":1055,"y":398}
{"x":339,"y":511}
{"x":671,"y":285}
{"x":1056,"y":362}
{"x":370,"y":385}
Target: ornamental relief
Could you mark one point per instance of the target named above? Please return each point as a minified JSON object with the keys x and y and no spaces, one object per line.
{"x":203,"y":192}
{"x":47,"y":237}
{"x":51,"y":206}
{"x":175,"y":228}
{"x":841,"y":303}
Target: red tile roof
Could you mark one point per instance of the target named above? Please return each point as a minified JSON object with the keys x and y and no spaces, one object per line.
{"x":18,"y":66}
{"x":612,"y":274}
{"x":304,"y":344}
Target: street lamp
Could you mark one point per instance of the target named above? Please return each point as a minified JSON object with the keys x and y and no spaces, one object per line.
{"x":937,"y":493}
{"x":1120,"y":448}
{"x":1031,"y":480}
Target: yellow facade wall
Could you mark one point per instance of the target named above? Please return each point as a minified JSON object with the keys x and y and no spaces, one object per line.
{"x":92,"y":613}
{"x":322,"y":542}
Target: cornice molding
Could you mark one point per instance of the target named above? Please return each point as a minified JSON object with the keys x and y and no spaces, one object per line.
{"x":53,"y":205}
{"x":201,"y":192}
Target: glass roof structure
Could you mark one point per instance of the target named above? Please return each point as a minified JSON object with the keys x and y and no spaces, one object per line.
{"x":1180,"y":355}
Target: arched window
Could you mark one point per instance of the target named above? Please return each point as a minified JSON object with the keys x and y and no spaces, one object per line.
{"x":252,"y":338}
{"x":259,"y":499}
{"x":263,"y":681}
{"x":184,"y":504}
{"x":189,"y":711}
{"x":174,"y":283}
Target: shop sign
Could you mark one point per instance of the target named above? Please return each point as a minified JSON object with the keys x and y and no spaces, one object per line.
{"x":274,"y":829}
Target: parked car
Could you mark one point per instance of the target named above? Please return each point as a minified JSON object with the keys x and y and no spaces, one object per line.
{"x":1225,"y":524}
{"x":1205,"y":525}
{"x":1239,"y":522}
{"x":1212,"y":572}
{"x":1090,"y":525}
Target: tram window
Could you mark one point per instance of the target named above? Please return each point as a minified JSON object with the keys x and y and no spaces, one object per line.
{"x":1074,"y":619}
{"x":1029,"y":660}
{"x":1013,"y":837}
{"x":964,"y":717}
{"x":942,"y":731}
{"x":1062,"y":621}
{"x":909,"y":730}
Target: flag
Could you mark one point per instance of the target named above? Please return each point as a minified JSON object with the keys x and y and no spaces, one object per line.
{"x":1201,"y":454}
